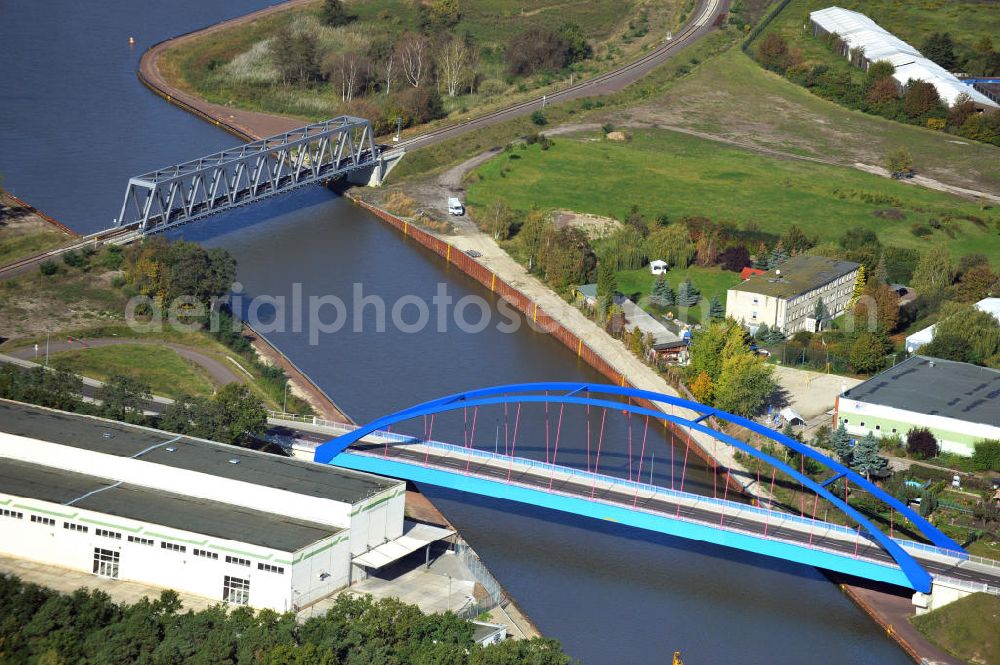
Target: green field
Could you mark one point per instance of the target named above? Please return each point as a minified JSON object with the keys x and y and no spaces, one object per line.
{"x":664,"y":172}
{"x":160,"y":367}
{"x":235,"y":66}
{"x":731,"y":97}
{"x":709,"y":281}
{"x":967,"y":628}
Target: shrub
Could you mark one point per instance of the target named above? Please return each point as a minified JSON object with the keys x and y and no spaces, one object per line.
{"x":73,"y":259}
{"x":987,"y":455}
{"x":538,"y":118}
{"x":921,"y":443}
{"x":48,"y":268}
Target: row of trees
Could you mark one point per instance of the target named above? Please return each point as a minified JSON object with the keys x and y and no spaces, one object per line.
{"x":404,"y":75}
{"x":917,"y":102}
{"x":39,"y":625}
{"x":233,"y":415}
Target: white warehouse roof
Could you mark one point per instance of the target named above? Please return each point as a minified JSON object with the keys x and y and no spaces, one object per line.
{"x":859,"y":31}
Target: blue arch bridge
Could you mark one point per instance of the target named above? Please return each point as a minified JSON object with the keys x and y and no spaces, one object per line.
{"x":859,"y":548}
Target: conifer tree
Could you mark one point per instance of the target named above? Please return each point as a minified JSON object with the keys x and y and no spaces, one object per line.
{"x":688,"y":294}
{"x":866,"y":459}
{"x":842,"y":448}
{"x":778,"y":256}
{"x":662,"y":295}
{"x":716,"y":310}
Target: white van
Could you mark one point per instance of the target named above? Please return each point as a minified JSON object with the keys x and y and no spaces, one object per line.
{"x":455,"y":207}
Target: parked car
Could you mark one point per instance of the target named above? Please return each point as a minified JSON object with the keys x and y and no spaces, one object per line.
{"x":455,"y":207}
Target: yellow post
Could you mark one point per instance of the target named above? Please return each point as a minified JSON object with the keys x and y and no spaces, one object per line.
{"x":534,"y":317}
{"x":493,"y":281}
{"x":406,"y":228}
{"x":579,"y":347}
{"x":448,"y":258}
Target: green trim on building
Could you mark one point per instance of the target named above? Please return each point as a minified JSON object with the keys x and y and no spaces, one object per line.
{"x":886,"y":425}
{"x":67,"y":516}
{"x":377,"y":502}
{"x":318,"y":550}
{"x":244,"y":553}
{"x":112,"y":526}
{"x":163,"y":536}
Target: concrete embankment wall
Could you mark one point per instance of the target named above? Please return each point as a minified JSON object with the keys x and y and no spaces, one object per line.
{"x":32,"y":209}
{"x":528,"y":308}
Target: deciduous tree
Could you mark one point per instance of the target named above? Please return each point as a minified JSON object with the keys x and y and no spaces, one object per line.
{"x":672,"y":244}
{"x":934,"y":271}
{"x":921,"y":443}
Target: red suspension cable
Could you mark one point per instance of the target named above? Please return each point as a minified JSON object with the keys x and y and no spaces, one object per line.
{"x":556,"y":452}
{"x":597,"y":460}
{"x":513,"y":442}
{"x":638,"y":475}
{"x":472,"y":439}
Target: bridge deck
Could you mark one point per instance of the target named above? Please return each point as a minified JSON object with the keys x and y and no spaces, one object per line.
{"x":719,"y":514}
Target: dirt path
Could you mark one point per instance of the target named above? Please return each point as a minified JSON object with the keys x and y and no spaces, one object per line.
{"x":217,"y":371}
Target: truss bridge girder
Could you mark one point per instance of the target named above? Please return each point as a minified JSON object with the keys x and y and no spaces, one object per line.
{"x":238,"y":176}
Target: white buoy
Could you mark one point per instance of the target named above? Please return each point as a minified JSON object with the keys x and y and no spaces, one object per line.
{"x":131,"y":41}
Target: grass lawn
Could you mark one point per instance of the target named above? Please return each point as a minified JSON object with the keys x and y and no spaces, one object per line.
{"x":731,"y":97}
{"x":987,"y":546}
{"x":665,"y":172}
{"x":967,"y":628}
{"x":166,"y":372}
{"x":710,"y":281}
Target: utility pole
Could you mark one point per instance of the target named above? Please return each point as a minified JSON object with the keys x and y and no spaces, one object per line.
{"x":46,"y":350}
{"x":284,"y":404}
{"x":399,"y":128}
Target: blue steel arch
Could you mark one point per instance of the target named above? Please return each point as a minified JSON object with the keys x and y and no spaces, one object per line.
{"x":579,"y":393}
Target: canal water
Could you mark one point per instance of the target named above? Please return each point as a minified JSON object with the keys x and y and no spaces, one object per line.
{"x":75,"y":124}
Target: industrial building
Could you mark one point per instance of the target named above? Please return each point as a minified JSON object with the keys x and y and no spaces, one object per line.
{"x":865,"y":42}
{"x":958,"y":402}
{"x":924,"y":336}
{"x":785,"y":298}
{"x":134,"y":503}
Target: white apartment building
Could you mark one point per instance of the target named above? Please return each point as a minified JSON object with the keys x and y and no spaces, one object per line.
{"x":785,"y":298}
{"x":206,"y":518}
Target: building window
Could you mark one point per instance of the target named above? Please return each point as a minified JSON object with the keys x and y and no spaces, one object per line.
{"x":878,"y":427}
{"x":106,"y":562}
{"x":75,"y":527}
{"x":753,"y":315}
{"x":236,"y":590}
{"x":271,"y":568}
{"x":172,"y":546}
{"x":893,"y":430}
{"x":47,"y":521}
{"x":140,"y":541}
{"x":205,"y":553}
{"x":108,"y":534}
{"x":238,"y":561}
{"x":11,"y":513}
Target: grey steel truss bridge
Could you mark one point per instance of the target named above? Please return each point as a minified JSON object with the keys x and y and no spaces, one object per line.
{"x":185,"y":192}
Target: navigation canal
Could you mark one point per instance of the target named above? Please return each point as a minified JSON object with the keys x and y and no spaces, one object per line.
{"x":75,"y":124}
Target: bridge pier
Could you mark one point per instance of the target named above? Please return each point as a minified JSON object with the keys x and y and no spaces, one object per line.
{"x":943,"y":592}
{"x":376,"y":175}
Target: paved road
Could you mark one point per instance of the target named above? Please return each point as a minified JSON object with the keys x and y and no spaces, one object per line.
{"x":709,"y":513}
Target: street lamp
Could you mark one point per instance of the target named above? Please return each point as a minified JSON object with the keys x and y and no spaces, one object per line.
{"x":284,"y":404}
{"x":399,"y":127}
